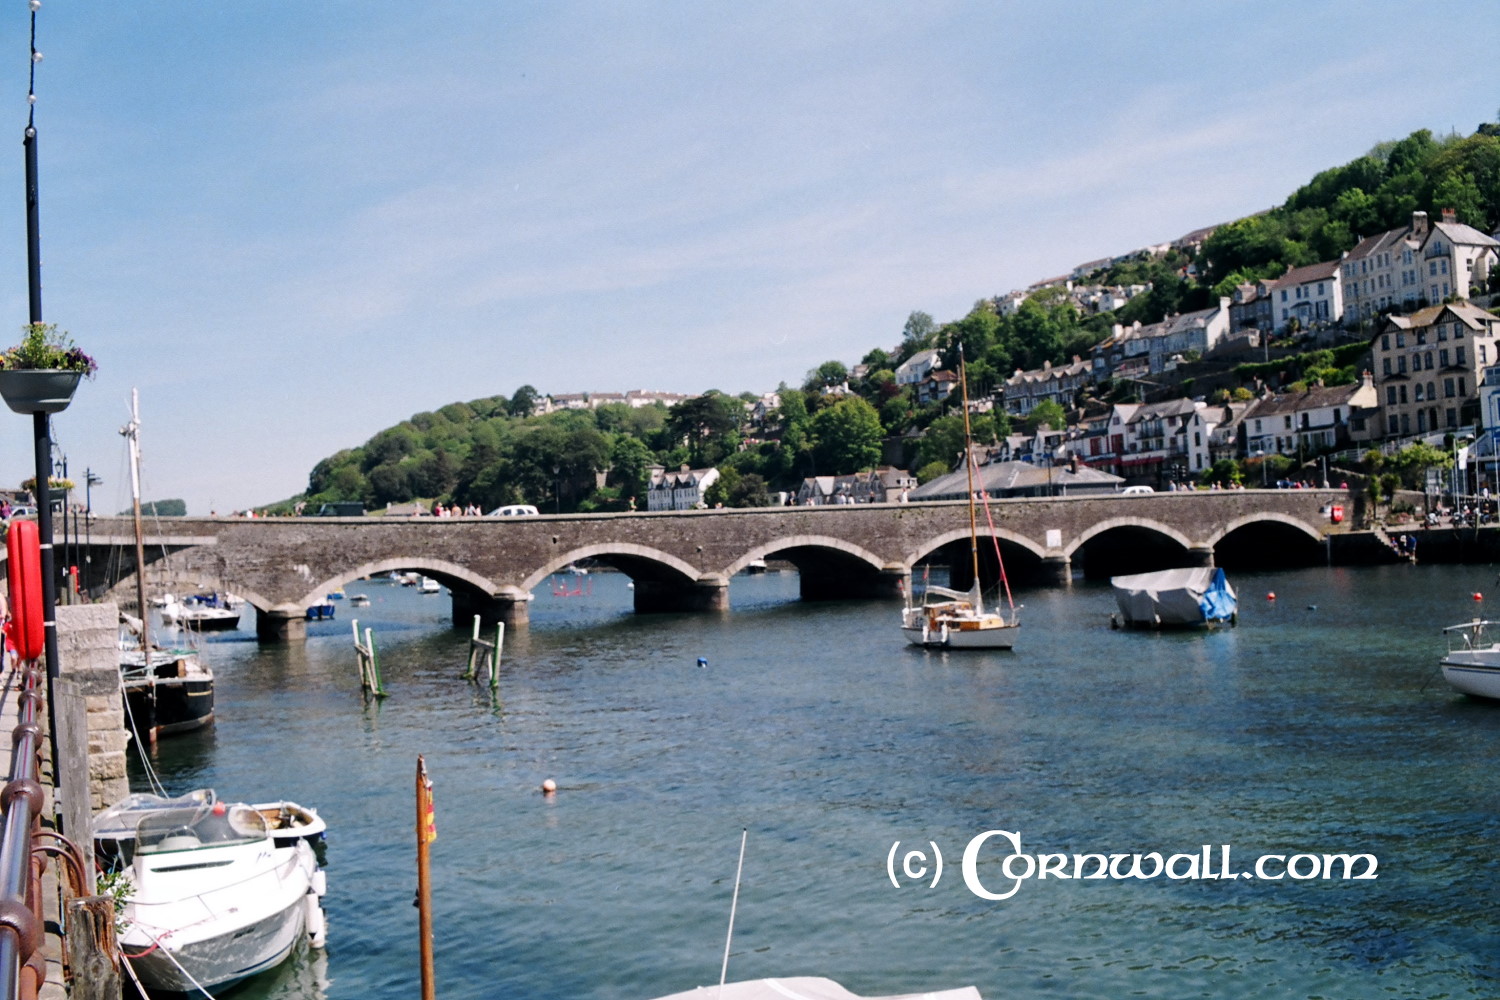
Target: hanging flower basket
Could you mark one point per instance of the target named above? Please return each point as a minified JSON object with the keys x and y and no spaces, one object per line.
{"x":40,"y":374}
{"x":38,"y":390}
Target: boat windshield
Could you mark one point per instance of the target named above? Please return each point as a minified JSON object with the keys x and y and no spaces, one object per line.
{"x":188,"y":829}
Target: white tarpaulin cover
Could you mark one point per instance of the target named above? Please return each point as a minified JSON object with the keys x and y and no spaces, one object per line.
{"x":806,"y":988}
{"x":1190,"y":596}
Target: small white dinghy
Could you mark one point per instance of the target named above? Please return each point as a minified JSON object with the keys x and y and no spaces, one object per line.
{"x":219,"y":891}
{"x":807,"y":988}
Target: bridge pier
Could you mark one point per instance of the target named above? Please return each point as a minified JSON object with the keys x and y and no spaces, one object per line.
{"x":279,"y":626}
{"x":511,"y":607}
{"x":711,"y":593}
{"x":1055,"y":571}
{"x":1200,"y":555}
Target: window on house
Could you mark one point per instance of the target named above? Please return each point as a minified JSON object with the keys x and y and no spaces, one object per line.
{"x":1400,"y":339}
{"x":1391,"y":425}
{"x":1432,"y":390}
{"x":1443,"y":357}
{"x":1458,"y":356}
{"x":1428,"y":355}
{"x":1448,"y":387}
{"x":1421,"y":336}
{"x":1463,"y":386}
{"x":1442,"y":329}
{"x":1287,"y":421}
{"x":1390,"y":395}
{"x":1385,"y":342}
{"x":1403,"y":394}
{"x":1452,"y":417}
{"x":1401,"y":365}
{"x":1385,"y":366}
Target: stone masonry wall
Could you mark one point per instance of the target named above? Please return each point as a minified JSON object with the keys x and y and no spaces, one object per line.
{"x":88,"y":654}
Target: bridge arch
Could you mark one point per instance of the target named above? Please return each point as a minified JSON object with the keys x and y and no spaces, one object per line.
{"x":1132,"y":544}
{"x":960,"y":569}
{"x":450,"y":574}
{"x":828,"y":568}
{"x":1247,"y":520}
{"x":639,"y":562}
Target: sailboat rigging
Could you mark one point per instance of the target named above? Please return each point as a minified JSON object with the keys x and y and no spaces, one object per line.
{"x":166,"y":690}
{"x":959,"y":619}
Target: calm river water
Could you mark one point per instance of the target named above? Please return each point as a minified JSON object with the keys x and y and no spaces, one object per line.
{"x":1318,"y":725}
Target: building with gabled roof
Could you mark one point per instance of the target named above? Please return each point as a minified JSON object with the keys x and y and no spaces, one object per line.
{"x":1317,"y":419}
{"x":1428,"y":367}
{"x":1021,"y":393}
{"x":1311,"y":295}
{"x":1422,"y":263}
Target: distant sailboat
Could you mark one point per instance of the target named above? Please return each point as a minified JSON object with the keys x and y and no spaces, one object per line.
{"x":960,"y":619}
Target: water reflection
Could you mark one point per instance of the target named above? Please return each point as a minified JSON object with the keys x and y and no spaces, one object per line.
{"x":1307,"y":728}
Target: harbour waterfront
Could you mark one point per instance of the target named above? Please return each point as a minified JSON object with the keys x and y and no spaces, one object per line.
{"x":1318,"y":725}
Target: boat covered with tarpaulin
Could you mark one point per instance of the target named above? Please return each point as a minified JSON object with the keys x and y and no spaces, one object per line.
{"x":1176,"y":598}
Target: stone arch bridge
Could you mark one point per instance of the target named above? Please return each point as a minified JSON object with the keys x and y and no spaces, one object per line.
{"x":683,"y":561}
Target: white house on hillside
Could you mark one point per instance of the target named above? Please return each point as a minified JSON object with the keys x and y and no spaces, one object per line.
{"x":680,"y":490}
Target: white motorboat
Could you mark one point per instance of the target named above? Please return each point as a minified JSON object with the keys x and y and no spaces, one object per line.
{"x":1472,"y":664}
{"x":205,"y":613}
{"x":807,"y":988}
{"x":959,"y":619}
{"x":218,"y":891}
{"x":429,"y":586}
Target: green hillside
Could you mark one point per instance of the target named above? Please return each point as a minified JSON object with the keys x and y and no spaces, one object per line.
{"x":492,"y":451}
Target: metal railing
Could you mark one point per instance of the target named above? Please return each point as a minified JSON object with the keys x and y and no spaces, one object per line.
{"x":22,"y":967}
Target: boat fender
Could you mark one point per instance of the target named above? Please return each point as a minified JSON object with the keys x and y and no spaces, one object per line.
{"x":317,"y":923}
{"x":320,"y":882}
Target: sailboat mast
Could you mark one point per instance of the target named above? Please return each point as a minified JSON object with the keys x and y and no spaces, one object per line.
{"x":132,"y":435}
{"x":963,"y":385}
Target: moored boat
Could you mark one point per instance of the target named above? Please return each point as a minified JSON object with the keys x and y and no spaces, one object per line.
{"x":1472,"y":663}
{"x":166,"y":691}
{"x":807,"y":988}
{"x":960,"y":619}
{"x":1176,"y":598}
{"x":218,"y":891}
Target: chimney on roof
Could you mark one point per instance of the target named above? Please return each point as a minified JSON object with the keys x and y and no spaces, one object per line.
{"x":1449,"y":215}
{"x":1419,"y":224}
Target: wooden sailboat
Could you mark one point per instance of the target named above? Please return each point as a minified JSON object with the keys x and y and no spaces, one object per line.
{"x":953,"y":619}
{"x":166,"y":690}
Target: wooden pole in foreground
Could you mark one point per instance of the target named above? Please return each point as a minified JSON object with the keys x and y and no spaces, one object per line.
{"x":426,"y":834}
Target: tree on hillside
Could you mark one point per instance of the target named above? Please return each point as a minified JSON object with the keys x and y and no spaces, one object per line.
{"x":826,"y":375}
{"x":709,"y":424}
{"x":1046,"y":412}
{"x":917,"y":333}
{"x":524,"y":401}
{"x":847,"y":437}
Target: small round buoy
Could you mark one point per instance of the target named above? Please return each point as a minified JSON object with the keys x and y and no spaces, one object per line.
{"x":1271,"y":596}
{"x":549,"y":786}
{"x":702,"y":661}
{"x":219,"y":809}
{"x":1478,"y":596}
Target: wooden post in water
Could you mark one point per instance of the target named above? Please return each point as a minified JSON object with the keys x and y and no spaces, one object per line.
{"x":482,"y":650}
{"x":369,"y":665}
{"x":426,"y":834}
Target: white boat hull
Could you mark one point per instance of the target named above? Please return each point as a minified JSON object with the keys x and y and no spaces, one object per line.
{"x":1474,"y":673}
{"x":183,"y":934}
{"x":228,"y":958}
{"x":1000,"y":637}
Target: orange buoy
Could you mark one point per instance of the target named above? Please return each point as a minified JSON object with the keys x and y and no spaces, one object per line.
{"x":1478,"y":596}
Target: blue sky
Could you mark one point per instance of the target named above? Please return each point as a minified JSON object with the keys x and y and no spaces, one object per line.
{"x":294,"y":224}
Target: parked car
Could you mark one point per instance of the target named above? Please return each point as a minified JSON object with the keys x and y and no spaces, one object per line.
{"x":23,"y":510}
{"x":515,"y":510}
{"x":1136,"y":490}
